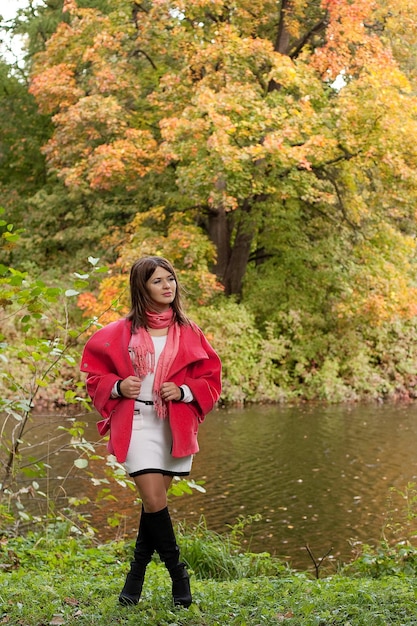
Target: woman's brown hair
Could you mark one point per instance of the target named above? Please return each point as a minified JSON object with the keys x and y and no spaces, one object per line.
{"x":140,"y":273}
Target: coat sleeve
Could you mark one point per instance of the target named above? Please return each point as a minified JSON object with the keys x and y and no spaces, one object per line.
{"x":106,"y":359}
{"x":201,"y":371}
{"x":104,"y":362}
{"x":204,"y":379}
{"x":99,"y":389}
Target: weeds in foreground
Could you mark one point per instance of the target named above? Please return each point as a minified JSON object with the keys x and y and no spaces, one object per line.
{"x":221,"y":556}
{"x":53,"y":582}
{"x":396,"y":553}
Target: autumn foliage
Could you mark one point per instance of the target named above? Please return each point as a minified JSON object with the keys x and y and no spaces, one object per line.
{"x":267,"y":148}
{"x":185,"y":246}
{"x":239,"y":104}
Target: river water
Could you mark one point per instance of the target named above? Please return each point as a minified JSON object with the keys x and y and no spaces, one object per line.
{"x":322,"y":476}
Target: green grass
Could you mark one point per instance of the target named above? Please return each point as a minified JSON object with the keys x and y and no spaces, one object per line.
{"x":89,"y":597}
{"x":52,"y":582}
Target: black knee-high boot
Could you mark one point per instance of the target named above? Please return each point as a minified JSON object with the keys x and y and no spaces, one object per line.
{"x":163,"y":536}
{"x":143,"y":551}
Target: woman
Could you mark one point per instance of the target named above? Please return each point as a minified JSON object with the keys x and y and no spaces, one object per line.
{"x":153,"y":377}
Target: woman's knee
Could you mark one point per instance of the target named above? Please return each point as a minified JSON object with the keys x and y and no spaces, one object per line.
{"x":152,"y":503}
{"x":152,"y":491}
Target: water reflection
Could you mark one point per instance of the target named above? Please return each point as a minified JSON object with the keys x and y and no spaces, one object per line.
{"x":318,"y":475}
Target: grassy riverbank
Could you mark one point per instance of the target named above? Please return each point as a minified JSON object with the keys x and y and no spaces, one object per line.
{"x":45,"y":581}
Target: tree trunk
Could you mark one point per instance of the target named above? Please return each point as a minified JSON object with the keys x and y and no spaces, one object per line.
{"x":219,"y":229}
{"x":238,"y":261}
{"x":282,"y":40}
{"x":233,"y":248}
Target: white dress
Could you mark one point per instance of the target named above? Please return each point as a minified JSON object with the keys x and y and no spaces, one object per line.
{"x":151,"y":441}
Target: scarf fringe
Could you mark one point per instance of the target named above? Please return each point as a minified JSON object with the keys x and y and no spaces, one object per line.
{"x":160,"y":406}
{"x":143,"y":361}
{"x":143,"y":356}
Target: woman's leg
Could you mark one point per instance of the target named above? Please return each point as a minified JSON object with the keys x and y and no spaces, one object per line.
{"x":144,"y":549}
{"x":153,"y":492}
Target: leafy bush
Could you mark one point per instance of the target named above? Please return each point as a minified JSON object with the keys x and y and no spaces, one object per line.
{"x":396,"y":553}
{"x":248,"y":358}
{"x":384,"y":560}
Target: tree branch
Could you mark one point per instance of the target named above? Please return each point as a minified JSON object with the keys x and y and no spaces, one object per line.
{"x":299,"y":45}
{"x":139,"y":51}
{"x":317,"y":563}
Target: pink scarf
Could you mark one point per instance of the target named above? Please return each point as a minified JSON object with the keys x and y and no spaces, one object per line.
{"x":143,"y":354}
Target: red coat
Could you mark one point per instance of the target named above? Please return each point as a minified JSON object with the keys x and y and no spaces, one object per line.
{"x":106,"y":360}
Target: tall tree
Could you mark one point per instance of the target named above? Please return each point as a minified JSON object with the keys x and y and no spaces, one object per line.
{"x":236,"y":103}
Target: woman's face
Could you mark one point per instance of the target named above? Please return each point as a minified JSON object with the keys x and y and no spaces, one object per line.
{"x":162,"y":288}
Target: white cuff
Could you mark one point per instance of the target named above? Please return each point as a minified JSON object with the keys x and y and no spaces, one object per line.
{"x":114,"y":393}
{"x":188,"y":394}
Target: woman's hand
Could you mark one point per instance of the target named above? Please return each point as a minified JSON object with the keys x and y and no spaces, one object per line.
{"x":170,"y":392}
{"x":130,"y":387}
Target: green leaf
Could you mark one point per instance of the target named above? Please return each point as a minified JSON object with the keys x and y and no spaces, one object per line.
{"x":10,"y":237}
{"x":81,"y":276}
{"x":81,"y":463}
